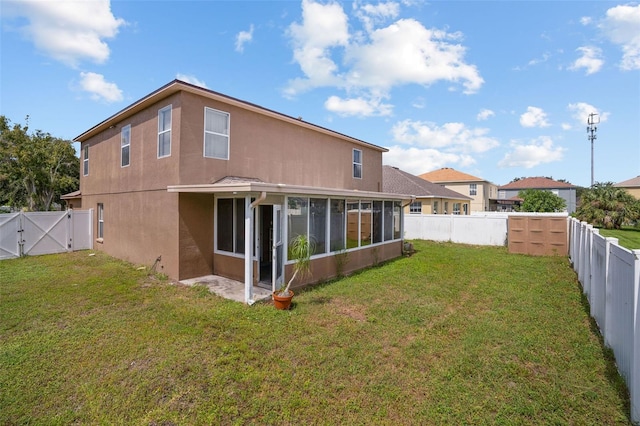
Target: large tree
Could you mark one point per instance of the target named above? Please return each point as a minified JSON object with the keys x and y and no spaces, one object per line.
{"x":607,"y":206}
{"x":35,"y":168}
{"x":541,"y":201}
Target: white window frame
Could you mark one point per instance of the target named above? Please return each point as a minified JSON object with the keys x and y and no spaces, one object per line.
{"x":415,"y":207}
{"x":473,"y":189}
{"x":100,"y":220}
{"x":357,"y":165}
{"x":85,"y":160}
{"x":456,"y":208}
{"x":126,"y":130}
{"x":163,"y":131}
{"x":206,"y":132}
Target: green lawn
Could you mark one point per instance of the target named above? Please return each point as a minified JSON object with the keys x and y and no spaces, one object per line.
{"x":627,"y":237}
{"x":452,"y":335}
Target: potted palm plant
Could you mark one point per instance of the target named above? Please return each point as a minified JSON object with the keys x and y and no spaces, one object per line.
{"x":300,"y":248}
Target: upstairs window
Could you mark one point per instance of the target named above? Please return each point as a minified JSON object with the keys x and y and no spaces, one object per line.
{"x":216,"y":134}
{"x":357,"y":164}
{"x":473,"y":189}
{"x":125,"y":143}
{"x":85,"y":160}
{"x":416,"y":207}
{"x":164,"y":132}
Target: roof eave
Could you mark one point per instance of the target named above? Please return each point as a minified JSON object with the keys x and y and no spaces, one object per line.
{"x":178,"y":85}
{"x":278,"y":188}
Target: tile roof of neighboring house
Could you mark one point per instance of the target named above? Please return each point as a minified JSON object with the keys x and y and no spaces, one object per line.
{"x":447,"y":174}
{"x":536,"y":183}
{"x":631,"y":183}
{"x":397,"y":181}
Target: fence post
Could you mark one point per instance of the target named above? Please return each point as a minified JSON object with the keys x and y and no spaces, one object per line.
{"x":608,"y":309}
{"x":634,"y":385}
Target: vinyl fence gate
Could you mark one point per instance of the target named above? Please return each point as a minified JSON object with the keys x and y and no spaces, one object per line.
{"x":34,"y":233}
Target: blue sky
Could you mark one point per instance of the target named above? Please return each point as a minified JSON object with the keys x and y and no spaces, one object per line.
{"x":497,"y":89}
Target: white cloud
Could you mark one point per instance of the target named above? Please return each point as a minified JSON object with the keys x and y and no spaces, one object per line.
{"x":585,"y":20}
{"x":581,"y":110}
{"x":534,"y":153}
{"x":590,"y":59}
{"x":566,"y":126}
{"x":242,"y":38}
{"x":323,"y":27}
{"x":373,"y":62}
{"x":534,"y":117}
{"x":408,"y":53}
{"x":421,"y":160}
{"x":69,"y":31}
{"x":99,"y":88}
{"x":621,"y":27}
{"x":191,"y":80}
{"x":371,"y":14}
{"x":452,"y":137}
{"x":485,"y":114}
{"x":357,"y":107}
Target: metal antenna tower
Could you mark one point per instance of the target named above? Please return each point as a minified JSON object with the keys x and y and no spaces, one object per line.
{"x":591,"y":135}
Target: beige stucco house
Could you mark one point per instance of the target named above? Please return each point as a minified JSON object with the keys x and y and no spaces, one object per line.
{"x":210,"y":184}
{"x":632,"y":186}
{"x":482,"y":192}
{"x":428,"y":197}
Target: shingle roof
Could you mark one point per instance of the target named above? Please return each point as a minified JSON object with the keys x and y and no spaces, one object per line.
{"x":397,"y":181}
{"x":236,"y":179}
{"x":447,"y":174}
{"x":536,"y":183}
{"x":631,"y":183}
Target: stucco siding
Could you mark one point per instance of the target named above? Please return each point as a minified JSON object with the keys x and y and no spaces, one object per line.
{"x":271,"y":150}
{"x":142,"y":237}
{"x":196,"y":235}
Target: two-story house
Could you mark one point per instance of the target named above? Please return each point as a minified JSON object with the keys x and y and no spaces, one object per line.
{"x":429,"y":198}
{"x":482,"y":192}
{"x":209,"y":184}
{"x":564,"y":190}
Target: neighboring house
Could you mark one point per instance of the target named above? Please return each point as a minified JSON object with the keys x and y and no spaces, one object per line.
{"x":632,"y":186}
{"x":482,"y":192}
{"x":429,"y":198}
{"x":198,"y":180}
{"x":73,"y":200}
{"x":564,"y":190}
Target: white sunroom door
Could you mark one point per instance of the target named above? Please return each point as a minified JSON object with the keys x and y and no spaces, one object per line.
{"x":277,"y":263}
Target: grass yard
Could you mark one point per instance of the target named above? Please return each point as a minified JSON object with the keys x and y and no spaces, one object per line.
{"x":452,"y":335}
{"x":627,"y":237}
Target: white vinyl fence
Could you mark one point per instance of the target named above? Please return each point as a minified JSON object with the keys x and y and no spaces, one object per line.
{"x":610,"y":277}
{"x":489,"y":230}
{"x":33,"y":233}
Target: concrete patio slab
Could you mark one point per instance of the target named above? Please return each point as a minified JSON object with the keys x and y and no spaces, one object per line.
{"x":228,"y":288}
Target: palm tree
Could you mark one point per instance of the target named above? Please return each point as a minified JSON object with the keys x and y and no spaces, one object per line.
{"x":607,"y":206}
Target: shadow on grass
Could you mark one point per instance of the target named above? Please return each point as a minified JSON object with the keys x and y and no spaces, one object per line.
{"x":316,"y":286}
{"x":611,"y":372}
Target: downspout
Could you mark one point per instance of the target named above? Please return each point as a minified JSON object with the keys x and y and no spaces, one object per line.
{"x":248,"y":246}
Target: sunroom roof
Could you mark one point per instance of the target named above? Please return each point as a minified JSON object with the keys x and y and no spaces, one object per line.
{"x":284,"y":189}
